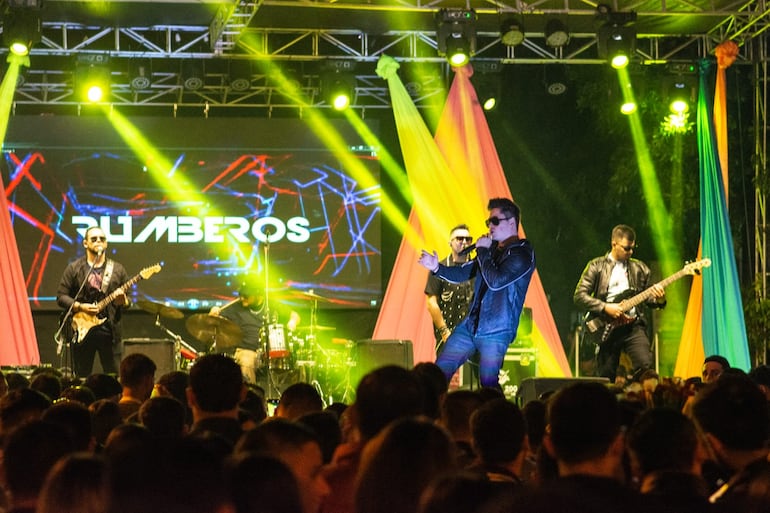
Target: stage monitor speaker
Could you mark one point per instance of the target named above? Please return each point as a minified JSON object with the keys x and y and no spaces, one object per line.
{"x":161,"y":351}
{"x":369,"y":354}
{"x":535,"y":388}
{"x":519,"y":364}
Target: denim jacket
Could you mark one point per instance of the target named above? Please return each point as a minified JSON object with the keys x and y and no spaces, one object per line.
{"x":505,"y":275}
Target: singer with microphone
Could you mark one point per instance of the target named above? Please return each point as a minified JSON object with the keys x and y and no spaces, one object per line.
{"x":85,"y":282}
{"x":502,"y":269}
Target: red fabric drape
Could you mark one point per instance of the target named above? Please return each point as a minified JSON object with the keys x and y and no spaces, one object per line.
{"x":19,"y":342}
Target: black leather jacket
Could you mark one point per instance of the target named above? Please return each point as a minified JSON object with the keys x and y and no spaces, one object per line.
{"x":591,"y":291}
{"x":507,"y":273}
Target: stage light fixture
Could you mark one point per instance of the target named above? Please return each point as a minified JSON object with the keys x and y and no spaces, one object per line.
{"x":616,"y":37}
{"x":93,"y":77}
{"x":628,"y":108}
{"x":240,"y":75}
{"x":338,"y":84}
{"x":456,"y":35}
{"x":680,"y":88}
{"x":512,"y":32}
{"x":139,"y":74}
{"x":556,"y":33}
{"x":21,"y":29}
{"x":487,"y":82}
{"x":193,"y":75}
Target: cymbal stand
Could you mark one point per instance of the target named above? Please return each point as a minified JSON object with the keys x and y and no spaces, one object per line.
{"x":178,"y":342}
{"x":270,"y":384}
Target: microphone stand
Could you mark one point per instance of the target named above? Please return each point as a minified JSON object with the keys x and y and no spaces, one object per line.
{"x":58,"y":335}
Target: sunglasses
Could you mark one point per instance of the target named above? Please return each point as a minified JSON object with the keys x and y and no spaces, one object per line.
{"x":627,"y":248}
{"x":97,"y":239}
{"x":464,"y":239}
{"x":496,"y":220}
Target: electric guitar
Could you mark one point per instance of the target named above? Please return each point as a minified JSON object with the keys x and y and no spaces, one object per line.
{"x":600,"y":326}
{"x":82,"y":322}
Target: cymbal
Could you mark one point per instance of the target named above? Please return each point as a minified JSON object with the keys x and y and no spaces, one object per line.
{"x":309,"y":294}
{"x":315,"y":328}
{"x":160,"y":309}
{"x":212,"y":329}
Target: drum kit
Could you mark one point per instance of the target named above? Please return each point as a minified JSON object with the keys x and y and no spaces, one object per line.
{"x":286,"y":356}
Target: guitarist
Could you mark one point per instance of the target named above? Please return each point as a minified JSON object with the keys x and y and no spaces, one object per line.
{"x":607,"y":280}
{"x":106,"y":277}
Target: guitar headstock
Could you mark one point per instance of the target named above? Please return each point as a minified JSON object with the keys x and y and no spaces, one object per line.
{"x":149,"y":271}
{"x":695,"y":267}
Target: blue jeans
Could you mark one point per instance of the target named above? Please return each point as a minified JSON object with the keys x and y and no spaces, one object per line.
{"x":461,"y":344}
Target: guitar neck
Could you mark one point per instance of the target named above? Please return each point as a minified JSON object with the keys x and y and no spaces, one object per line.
{"x":101,"y":305}
{"x":646,"y":294}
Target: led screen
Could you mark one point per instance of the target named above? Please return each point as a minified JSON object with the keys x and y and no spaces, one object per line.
{"x":234,"y":200}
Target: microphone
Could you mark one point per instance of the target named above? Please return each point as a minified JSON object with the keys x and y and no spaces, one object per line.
{"x":99,"y":251}
{"x":467,"y":249}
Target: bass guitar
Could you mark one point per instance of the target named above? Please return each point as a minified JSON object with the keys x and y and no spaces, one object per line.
{"x":82,"y":322}
{"x":599,"y":326}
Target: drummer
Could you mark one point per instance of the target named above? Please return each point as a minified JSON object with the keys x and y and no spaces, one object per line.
{"x":248,"y":312}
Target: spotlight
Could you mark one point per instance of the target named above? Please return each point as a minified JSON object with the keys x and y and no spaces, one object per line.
{"x":338,"y":84}
{"x":556,"y":34}
{"x":192,"y":75}
{"x":488,"y":88}
{"x":21,"y":29}
{"x":555,"y":79}
{"x":92,"y":77}
{"x":680,"y":89}
{"x":456,"y":34}
{"x":616,"y":43}
{"x":139,"y":74}
{"x":240,"y":75}
{"x":512,"y":32}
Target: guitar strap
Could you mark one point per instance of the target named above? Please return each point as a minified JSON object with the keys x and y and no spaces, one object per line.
{"x":107,"y":275}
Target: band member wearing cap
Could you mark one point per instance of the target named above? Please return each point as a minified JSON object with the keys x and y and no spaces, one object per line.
{"x":250,"y":314}
{"x":98,"y":331}
{"x":503,"y":268}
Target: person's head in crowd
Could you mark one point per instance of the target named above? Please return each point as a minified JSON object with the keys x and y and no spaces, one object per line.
{"x":173,"y":384}
{"x":19,"y":406}
{"x":75,"y":484}
{"x":383,"y":395}
{"x":29,"y":453}
{"x":105,"y":416}
{"x":326,"y":425}
{"x":180,"y":476}
{"x":466,"y":492}
{"x":164,"y":417}
{"x":434,"y":384}
{"x":79,"y":393}
{"x":499,"y":434}
{"x":338,"y":408}
{"x":216,"y":387}
{"x":455,"y":413}
{"x":298,"y":447}
{"x":733,"y":415}
{"x":760,"y":375}
{"x":398,"y":464}
{"x":713,"y":367}
{"x":254,"y":404}
{"x":489,"y":393}
{"x":664,"y":440}
{"x":48,"y":384}
{"x":137,"y":376}
{"x":584,"y":433}
{"x":127,"y":437}
{"x":535,"y":412}
{"x":76,"y":419}
{"x":262,"y":484}
{"x":299,"y":399}
{"x":104,"y":386}
{"x":16,"y":381}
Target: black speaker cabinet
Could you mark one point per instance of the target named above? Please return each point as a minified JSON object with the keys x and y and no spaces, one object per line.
{"x":369,"y":354}
{"x":161,"y":351}
{"x":519,"y":363}
{"x":534,"y":388}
